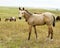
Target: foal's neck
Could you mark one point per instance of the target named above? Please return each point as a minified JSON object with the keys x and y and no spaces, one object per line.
{"x":27,"y":16}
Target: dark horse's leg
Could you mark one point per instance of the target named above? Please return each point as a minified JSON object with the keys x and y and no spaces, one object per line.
{"x":10,"y":19}
{"x":30,"y":28}
{"x":35,"y":31}
{"x":50,"y":31}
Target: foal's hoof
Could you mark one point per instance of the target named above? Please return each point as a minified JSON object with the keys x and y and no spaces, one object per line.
{"x":37,"y":38}
{"x":28,"y":38}
{"x":51,"y":40}
{"x":47,"y":39}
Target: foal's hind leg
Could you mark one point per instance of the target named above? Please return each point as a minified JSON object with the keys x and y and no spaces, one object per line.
{"x":35,"y":31}
{"x":50,"y":31}
{"x":30,"y":28}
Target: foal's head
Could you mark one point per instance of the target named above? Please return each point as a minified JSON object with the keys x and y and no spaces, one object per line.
{"x":23,"y":13}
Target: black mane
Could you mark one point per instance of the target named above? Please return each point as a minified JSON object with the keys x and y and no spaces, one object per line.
{"x":28,"y":12}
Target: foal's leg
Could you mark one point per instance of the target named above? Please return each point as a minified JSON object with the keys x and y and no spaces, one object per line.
{"x":30,"y":28}
{"x":50,"y":32}
{"x":35,"y":31}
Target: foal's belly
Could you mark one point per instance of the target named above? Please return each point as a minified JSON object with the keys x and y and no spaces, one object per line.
{"x":39,"y":23}
{"x":36,"y":22}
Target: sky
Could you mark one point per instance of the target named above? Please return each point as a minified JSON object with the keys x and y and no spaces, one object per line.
{"x":31,"y":3}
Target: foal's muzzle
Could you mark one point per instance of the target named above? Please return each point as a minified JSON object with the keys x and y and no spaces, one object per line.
{"x":19,"y":17}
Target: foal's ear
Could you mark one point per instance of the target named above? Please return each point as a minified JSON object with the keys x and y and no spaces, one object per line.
{"x":19,"y":8}
{"x":23,"y":8}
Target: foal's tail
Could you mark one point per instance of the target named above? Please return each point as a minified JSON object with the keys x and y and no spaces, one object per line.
{"x":53,"y":21}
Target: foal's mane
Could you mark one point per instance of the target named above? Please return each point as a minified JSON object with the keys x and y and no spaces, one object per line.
{"x":28,"y":12}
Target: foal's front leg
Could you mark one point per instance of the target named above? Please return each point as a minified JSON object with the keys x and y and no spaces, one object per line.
{"x":30,"y":28}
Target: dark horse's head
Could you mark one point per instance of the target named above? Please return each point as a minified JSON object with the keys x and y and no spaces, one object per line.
{"x":58,"y":18}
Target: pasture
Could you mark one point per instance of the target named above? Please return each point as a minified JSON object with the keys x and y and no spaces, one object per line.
{"x":15,"y":34}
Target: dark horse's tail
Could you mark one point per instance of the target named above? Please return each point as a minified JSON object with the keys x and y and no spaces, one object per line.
{"x":53,"y":21}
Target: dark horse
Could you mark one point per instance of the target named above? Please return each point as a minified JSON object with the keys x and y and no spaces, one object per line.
{"x":10,"y":19}
{"x":58,"y":18}
{"x":34,"y":20}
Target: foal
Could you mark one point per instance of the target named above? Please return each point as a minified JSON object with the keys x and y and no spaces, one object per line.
{"x":38,"y":19}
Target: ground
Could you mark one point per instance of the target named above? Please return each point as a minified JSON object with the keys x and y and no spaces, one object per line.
{"x":15,"y":34}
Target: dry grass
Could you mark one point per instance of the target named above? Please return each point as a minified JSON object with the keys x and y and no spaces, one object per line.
{"x":14,"y":34}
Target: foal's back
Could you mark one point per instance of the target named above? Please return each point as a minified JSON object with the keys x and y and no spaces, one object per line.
{"x":40,"y":19}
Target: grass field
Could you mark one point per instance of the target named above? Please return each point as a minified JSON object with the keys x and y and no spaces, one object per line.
{"x":14,"y":34}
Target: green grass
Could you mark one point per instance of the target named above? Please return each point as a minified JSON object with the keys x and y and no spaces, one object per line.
{"x":14,"y":34}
